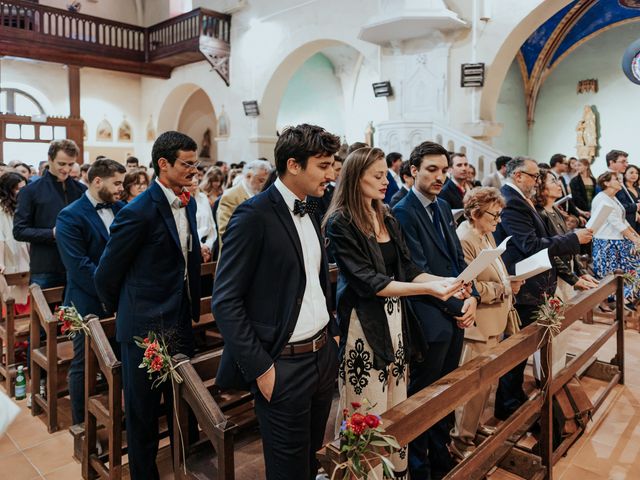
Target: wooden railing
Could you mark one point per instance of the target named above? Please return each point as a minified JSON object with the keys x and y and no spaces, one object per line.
{"x":181,"y":37}
{"x":407,"y":420}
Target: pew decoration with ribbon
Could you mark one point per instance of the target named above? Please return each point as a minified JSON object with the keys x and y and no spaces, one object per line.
{"x":550,"y":316}
{"x":632,"y":280}
{"x":72,"y":321}
{"x":156,"y":359}
{"x":362,"y":440}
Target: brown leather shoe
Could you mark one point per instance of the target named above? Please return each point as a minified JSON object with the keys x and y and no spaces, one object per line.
{"x":458,"y":454}
{"x":487,"y":430}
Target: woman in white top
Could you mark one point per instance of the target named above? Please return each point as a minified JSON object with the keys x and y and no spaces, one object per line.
{"x":14,"y":255}
{"x":615,"y":244}
{"x":207,"y":232}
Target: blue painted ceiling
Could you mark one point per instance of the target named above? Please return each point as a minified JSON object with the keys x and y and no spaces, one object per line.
{"x":596,"y":15}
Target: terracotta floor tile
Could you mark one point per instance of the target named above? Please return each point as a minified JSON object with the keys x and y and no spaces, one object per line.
{"x":71,"y":471}
{"x":619,"y":460}
{"x":17,"y":467}
{"x":52,"y":454}
{"x":577,"y":473}
{"x":7,"y":447}
{"x":28,"y":431}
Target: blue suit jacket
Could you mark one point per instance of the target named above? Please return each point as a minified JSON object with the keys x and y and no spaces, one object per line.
{"x":141,"y":272}
{"x":528,"y":236}
{"x":259,"y":286}
{"x":452,"y":195}
{"x":435,"y":316}
{"x":81,"y":238}
{"x":392,"y":188}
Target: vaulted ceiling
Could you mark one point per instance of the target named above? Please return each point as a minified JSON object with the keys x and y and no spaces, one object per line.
{"x":575,"y":24}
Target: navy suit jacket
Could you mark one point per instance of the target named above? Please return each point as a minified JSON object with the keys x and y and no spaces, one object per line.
{"x":392,"y":188}
{"x":435,"y":316}
{"x":141,"y":272}
{"x":38,"y":206}
{"x":625,"y":197}
{"x":452,"y":195}
{"x":259,"y":286}
{"x":528,"y":236}
{"x":81,"y":237}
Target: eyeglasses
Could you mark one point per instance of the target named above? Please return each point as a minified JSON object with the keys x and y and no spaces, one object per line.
{"x":189,"y":165}
{"x":495,"y":216}
{"x":535,"y":176}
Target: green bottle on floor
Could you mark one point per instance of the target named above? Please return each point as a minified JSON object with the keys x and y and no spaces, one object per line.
{"x":21,"y":384}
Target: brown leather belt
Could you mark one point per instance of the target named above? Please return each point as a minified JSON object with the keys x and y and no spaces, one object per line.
{"x":306,"y":346}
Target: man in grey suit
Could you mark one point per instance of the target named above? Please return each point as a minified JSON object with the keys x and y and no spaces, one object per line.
{"x":497,"y":179}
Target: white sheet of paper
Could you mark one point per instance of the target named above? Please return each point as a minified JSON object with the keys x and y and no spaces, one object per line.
{"x":598,"y":220}
{"x":562,"y":200}
{"x":485,"y":258}
{"x":532,"y":266}
{"x":457,"y":213}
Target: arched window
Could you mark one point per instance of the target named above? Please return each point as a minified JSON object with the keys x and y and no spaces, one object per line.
{"x":19,"y":102}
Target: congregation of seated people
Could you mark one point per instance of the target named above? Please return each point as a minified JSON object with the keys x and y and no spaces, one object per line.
{"x":130,"y":240}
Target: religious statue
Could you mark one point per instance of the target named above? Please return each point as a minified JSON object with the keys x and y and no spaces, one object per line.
{"x":587,"y":135}
{"x":223,"y":124}
{"x":205,"y":151}
{"x":368,"y":134}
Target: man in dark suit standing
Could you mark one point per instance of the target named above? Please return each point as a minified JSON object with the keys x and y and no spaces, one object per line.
{"x":528,"y":236}
{"x":453,"y":191}
{"x":38,"y":206}
{"x":82,"y":231}
{"x":150,"y":274}
{"x":559,"y":166}
{"x":270,"y":301}
{"x":430,"y":232}
{"x":407,"y":183}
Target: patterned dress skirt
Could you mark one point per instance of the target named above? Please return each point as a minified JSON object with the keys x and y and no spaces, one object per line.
{"x":609,"y":255}
{"x":360,"y":382}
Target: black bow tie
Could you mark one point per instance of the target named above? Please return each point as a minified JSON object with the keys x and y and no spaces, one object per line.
{"x":102,"y":205}
{"x":303,"y":208}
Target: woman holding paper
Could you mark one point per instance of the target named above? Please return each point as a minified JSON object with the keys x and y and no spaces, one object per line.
{"x":570,"y":273}
{"x":482,"y":208}
{"x":378,"y":331}
{"x":615,"y":244}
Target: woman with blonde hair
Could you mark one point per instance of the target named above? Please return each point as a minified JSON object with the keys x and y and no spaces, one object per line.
{"x":212,"y":184}
{"x":378,"y":332}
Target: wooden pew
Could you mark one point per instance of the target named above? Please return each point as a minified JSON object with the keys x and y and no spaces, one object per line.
{"x":220,"y":415}
{"x":51,"y":354}
{"x":102,"y":408}
{"x":12,"y":329}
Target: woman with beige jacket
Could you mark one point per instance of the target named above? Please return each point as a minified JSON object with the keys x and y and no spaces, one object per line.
{"x":482,"y":208}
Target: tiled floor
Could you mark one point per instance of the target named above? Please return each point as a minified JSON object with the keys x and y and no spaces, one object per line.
{"x":610,"y":449}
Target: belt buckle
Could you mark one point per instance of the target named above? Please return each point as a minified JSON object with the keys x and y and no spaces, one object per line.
{"x":315,"y":342}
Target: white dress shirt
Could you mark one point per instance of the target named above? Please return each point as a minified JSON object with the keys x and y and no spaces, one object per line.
{"x":313,"y":315}
{"x":182,"y":224}
{"x":105,"y":214}
{"x":204,"y":220}
{"x":616,"y":222}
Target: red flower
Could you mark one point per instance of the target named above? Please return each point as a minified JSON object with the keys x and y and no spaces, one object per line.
{"x":66,"y":326}
{"x":356,"y":405}
{"x":345,"y":413}
{"x":146,"y":341}
{"x":372,"y":421}
{"x":357,"y":419}
{"x":151,"y":350}
{"x":358,"y":429}
{"x":156,"y":364}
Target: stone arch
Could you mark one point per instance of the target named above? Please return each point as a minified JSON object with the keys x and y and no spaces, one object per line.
{"x":451,"y":146}
{"x":273,"y":93}
{"x":168,"y":118}
{"x":463,"y":149}
{"x":508,"y":50}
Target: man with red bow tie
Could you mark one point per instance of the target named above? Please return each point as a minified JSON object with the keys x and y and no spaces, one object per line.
{"x":150,"y":274}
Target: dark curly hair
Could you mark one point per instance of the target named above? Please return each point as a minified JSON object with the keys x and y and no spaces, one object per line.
{"x":8,"y":195}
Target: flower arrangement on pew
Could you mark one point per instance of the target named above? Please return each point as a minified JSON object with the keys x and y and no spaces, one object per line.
{"x":550,"y":316}
{"x":156,"y":359}
{"x":633,"y":281}
{"x":72,"y":321}
{"x":362,"y":439}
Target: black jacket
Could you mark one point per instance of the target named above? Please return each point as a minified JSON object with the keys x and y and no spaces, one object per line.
{"x":39,"y":204}
{"x":579,"y":193}
{"x":362,"y":275}
{"x":399,"y":195}
{"x":630,"y":203}
{"x":452,"y":195}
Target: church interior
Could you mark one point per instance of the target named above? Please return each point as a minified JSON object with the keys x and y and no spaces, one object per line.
{"x":485,"y":78}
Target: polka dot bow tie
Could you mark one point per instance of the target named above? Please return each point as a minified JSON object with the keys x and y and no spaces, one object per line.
{"x":303,"y":208}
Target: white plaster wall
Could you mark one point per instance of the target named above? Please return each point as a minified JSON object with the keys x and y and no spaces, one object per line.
{"x":559,"y":108}
{"x":512,"y":113}
{"x":196,"y":116}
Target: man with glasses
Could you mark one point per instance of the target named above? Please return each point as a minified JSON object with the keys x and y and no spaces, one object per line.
{"x":150,"y":274}
{"x":617,"y":162}
{"x":528,"y":236}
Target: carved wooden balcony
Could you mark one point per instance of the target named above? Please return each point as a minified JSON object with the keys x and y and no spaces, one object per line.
{"x":40,"y":32}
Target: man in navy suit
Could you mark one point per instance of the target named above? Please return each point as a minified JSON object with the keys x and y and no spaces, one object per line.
{"x":529,"y":235}
{"x":430,"y":232}
{"x":271,"y":302}
{"x":82,"y":231}
{"x":150,"y":274}
{"x":454,"y":189}
{"x":38,"y":206}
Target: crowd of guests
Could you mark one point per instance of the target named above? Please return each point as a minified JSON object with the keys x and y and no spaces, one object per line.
{"x":122,"y":240}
